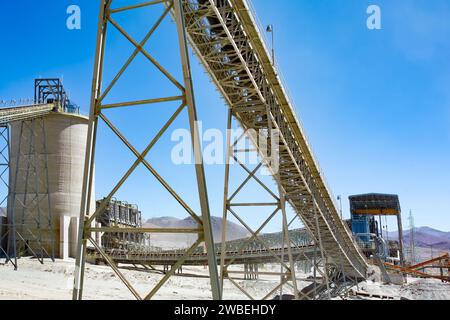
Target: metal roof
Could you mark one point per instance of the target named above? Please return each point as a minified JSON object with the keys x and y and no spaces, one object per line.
{"x":375,"y":203}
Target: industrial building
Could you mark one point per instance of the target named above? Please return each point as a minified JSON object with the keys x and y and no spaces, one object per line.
{"x":47,"y":145}
{"x":367,"y":212}
{"x":52,"y":181}
{"x":120,"y":214}
{"x":46,"y":162}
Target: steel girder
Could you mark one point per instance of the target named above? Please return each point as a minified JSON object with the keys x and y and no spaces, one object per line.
{"x":225,"y":37}
{"x":97,"y":114}
{"x":5,"y":228}
{"x":30,"y":227}
{"x":276,"y":205}
{"x":256,"y":256}
{"x":8,"y":115}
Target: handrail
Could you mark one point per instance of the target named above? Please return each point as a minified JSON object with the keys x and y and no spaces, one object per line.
{"x":287,"y":90}
{"x":8,"y":115}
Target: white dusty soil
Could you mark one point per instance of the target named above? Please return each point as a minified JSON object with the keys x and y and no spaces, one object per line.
{"x":53,"y":281}
{"x":415,"y":289}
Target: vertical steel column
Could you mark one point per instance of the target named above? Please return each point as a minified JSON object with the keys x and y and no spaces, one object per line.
{"x":204,"y":230}
{"x":223,"y":252}
{"x":288,"y":242}
{"x":4,"y":162}
{"x":36,"y":181}
{"x":31,"y":212}
{"x":400,"y":239}
{"x":325,"y":271}
{"x":5,"y":167}
{"x":90,"y":151}
{"x":13,"y":200}
{"x":200,"y":171}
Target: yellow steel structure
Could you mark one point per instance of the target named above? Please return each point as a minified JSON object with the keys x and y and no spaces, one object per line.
{"x":186,"y":103}
{"x":8,"y":115}
{"x":227,"y":40}
{"x":377,"y":212}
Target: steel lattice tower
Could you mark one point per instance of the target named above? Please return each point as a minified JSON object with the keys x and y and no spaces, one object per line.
{"x":186,"y":103}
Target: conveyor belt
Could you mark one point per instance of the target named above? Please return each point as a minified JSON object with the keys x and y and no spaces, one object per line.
{"x":304,"y":253}
{"x":8,"y":115}
{"x":226,"y":39}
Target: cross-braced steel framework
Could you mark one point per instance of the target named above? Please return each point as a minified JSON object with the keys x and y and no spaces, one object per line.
{"x":45,"y":89}
{"x":333,"y":280}
{"x":264,"y":145}
{"x":51,"y":90}
{"x":31,"y":230}
{"x":4,"y":163}
{"x":230,"y":46}
{"x":186,"y":99}
{"x":4,"y":181}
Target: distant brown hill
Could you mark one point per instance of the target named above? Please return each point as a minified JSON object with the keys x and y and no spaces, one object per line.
{"x":426,"y":237}
{"x":234,"y":231}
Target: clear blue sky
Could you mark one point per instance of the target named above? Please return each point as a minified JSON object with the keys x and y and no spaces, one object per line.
{"x":375,"y":104}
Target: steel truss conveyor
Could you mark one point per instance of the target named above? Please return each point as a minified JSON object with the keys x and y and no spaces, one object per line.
{"x":226,"y":39}
{"x":49,"y":96}
{"x":262,"y":256}
{"x":9,"y":115}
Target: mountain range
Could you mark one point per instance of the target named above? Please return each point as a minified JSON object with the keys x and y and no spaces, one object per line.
{"x":426,"y":237}
{"x":234,"y":231}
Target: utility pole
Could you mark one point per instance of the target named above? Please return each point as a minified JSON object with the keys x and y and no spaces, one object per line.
{"x":340,"y":206}
{"x":412,"y":238}
{"x":270,"y":29}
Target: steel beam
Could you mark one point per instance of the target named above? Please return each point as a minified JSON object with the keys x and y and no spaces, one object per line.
{"x":225,"y":37}
{"x":27,"y":223}
{"x":186,"y":96}
{"x":278,"y":207}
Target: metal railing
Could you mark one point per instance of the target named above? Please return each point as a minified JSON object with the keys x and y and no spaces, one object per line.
{"x":286,"y":89}
{"x":8,"y":115}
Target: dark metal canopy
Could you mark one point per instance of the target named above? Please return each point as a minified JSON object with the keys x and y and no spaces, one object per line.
{"x":375,"y":204}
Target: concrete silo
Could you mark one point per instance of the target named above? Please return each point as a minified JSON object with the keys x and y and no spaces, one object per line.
{"x":46,"y":176}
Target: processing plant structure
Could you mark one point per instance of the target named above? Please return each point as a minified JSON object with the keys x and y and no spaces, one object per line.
{"x":120,"y":214}
{"x":50,"y":154}
{"x":44,"y":145}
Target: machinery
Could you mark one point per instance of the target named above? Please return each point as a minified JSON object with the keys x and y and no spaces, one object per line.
{"x":365,"y":210}
{"x":121,"y":215}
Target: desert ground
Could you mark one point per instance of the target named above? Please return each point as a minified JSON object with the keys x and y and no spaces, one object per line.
{"x":53,"y":281}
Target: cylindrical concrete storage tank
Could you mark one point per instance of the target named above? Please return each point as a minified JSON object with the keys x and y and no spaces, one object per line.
{"x":48,"y":149}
